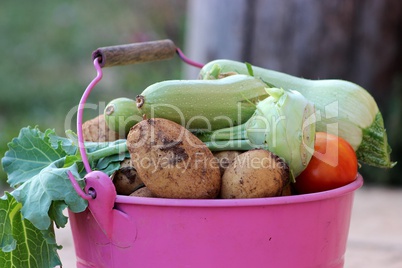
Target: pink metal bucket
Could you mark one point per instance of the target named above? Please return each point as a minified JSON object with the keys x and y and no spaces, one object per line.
{"x":293,"y":231}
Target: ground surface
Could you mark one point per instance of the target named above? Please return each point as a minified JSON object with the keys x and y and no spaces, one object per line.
{"x":375,"y":236}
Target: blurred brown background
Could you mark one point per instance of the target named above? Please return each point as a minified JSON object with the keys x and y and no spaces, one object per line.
{"x":355,"y":40}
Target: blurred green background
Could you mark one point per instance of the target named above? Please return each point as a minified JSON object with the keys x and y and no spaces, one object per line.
{"x":46,"y":63}
{"x":46,"y":56}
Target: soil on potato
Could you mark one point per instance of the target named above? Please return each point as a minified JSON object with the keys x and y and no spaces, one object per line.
{"x":178,"y":153}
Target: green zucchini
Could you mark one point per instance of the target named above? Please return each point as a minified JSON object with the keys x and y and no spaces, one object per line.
{"x":198,"y":105}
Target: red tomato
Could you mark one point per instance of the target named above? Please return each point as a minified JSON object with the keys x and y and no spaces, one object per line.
{"x":334,"y":164}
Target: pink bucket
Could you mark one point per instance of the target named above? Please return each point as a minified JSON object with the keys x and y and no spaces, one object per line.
{"x":293,"y":231}
{"x":120,"y":231}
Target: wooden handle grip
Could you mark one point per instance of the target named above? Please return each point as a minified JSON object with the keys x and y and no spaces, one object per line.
{"x":135,"y":53}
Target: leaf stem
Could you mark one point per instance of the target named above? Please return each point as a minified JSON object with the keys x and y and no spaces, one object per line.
{"x":115,"y":148}
{"x":235,"y":145}
{"x":225,"y":134}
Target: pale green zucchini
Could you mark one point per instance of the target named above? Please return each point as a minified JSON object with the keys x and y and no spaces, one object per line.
{"x":343,"y":108}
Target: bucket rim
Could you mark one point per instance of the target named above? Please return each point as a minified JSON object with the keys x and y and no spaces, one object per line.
{"x":279,"y":200}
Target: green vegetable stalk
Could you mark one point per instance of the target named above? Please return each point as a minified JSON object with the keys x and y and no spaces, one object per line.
{"x":283,"y":123}
{"x":290,"y":130}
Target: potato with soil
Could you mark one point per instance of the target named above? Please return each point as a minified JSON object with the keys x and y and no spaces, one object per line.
{"x":126,"y":179}
{"x":254,"y":174}
{"x":287,"y":190}
{"x":171,"y":161}
{"x":97,"y":130}
{"x":142,"y":192}
{"x":225,"y":158}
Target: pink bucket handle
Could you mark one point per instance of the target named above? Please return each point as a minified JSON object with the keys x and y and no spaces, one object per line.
{"x":99,"y":190}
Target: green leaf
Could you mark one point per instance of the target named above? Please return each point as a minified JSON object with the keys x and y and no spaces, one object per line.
{"x":69,"y":145}
{"x":23,"y":245}
{"x":51,"y":184}
{"x":250,"y":69}
{"x":28,"y":154}
{"x":47,"y":192}
{"x":56,"y":213}
{"x":103,"y":163}
{"x":37,"y":164}
{"x":71,"y":159}
{"x":374,"y":149}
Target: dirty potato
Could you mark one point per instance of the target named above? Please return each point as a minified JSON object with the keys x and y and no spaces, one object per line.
{"x":287,"y":190}
{"x":171,"y":161}
{"x":97,"y":130}
{"x":255,"y":173}
{"x":225,"y":158}
{"x":142,"y":192}
{"x":126,"y":179}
